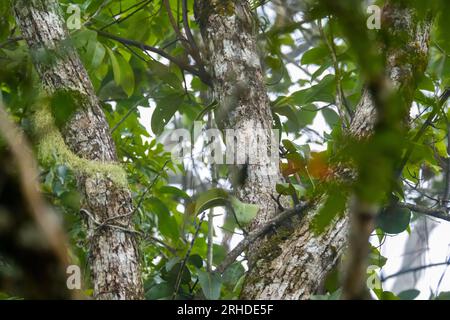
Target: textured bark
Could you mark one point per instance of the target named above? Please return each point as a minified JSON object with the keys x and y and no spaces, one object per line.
{"x":405,"y":62}
{"x":292,"y":263}
{"x":114,"y":256}
{"x":227,"y":30}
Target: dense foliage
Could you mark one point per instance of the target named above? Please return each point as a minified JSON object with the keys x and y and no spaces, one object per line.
{"x":314,"y":72}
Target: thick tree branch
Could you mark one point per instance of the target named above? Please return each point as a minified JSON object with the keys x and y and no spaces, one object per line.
{"x":260,"y":232}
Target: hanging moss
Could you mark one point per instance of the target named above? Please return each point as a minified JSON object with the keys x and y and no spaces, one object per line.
{"x":51,"y":142}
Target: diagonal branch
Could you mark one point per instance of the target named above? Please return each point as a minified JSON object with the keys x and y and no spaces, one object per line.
{"x":188,"y":43}
{"x":436,"y":213}
{"x":383,"y":279}
{"x":194,"y":48}
{"x":259,"y":232}
{"x":181,"y":64}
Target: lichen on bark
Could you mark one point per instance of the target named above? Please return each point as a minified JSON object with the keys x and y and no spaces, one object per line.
{"x":51,"y":143}
{"x":84,"y":142}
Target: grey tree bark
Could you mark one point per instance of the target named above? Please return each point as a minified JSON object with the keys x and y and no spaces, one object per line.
{"x":293,"y":262}
{"x":114,"y":257}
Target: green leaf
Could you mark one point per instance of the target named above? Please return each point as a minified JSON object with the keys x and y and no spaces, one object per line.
{"x":210,"y":283}
{"x":333,"y":206}
{"x":165,"y":74}
{"x":175,"y":191}
{"x":316,"y":55}
{"x":212,"y":198}
{"x":375,"y":257}
{"x":290,"y":189}
{"x":233,"y":273}
{"x":97,"y":55}
{"x":159,"y":291}
{"x":443,"y":296}
{"x":409,"y":294}
{"x":63,"y":105}
{"x":123,"y":73}
{"x":245,"y":212}
{"x":81,"y":38}
{"x":196,"y":261}
{"x":171,"y":275}
{"x":219,"y":254}
{"x":324,"y":91}
{"x":394,"y":220}
{"x":115,"y":66}
{"x":166,"y":106}
{"x":441,"y":148}
{"x":166,"y":222}
{"x":331,"y":117}
{"x":385,"y":295}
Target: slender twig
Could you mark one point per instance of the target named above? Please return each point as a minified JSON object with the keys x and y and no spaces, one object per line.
{"x":383,"y":279}
{"x":193,"y":45}
{"x":144,"y":3}
{"x":97,"y":12}
{"x":436,"y":213}
{"x":174,"y":23}
{"x":214,"y":176}
{"x":210,"y":252}
{"x":142,"y":197}
{"x":132,"y":109}
{"x":186,"y":257}
{"x":188,"y":43}
{"x":341,"y":103}
{"x":165,"y":245}
{"x":442,"y":99}
{"x":181,"y":64}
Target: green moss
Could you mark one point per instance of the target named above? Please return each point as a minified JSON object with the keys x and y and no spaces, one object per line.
{"x":270,"y":248}
{"x":51,"y":142}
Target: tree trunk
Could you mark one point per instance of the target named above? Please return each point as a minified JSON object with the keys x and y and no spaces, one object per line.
{"x":293,"y":262}
{"x":227,"y":30}
{"x":115,"y":264}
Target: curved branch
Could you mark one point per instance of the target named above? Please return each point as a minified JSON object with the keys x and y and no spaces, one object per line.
{"x":181,"y":64}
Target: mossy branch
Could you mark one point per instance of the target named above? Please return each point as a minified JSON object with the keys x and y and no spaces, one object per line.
{"x":51,"y":142}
